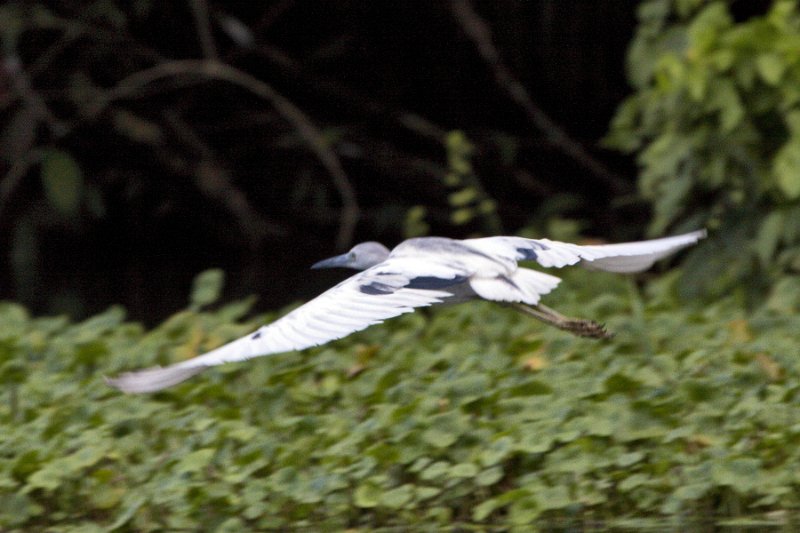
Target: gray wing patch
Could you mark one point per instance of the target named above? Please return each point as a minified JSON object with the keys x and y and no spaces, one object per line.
{"x":376,"y":288}
{"x":432,"y":283}
{"x":429,"y":283}
{"x":529,"y":253}
{"x":381,"y":282}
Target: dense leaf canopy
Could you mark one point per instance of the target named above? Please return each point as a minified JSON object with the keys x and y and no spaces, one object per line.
{"x":467,"y":415}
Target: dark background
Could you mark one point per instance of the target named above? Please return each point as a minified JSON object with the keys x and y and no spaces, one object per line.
{"x":188,"y":172}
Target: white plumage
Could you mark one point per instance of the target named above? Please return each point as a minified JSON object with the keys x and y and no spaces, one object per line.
{"x":418,"y":273}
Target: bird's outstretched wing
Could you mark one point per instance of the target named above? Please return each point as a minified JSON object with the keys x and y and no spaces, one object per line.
{"x":391,"y":288}
{"x":624,"y":257}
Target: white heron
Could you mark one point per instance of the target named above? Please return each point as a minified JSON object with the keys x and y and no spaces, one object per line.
{"x":418,"y":273}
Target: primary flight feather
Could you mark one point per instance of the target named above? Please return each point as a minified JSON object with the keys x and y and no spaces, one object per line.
{"x":418,"y":273}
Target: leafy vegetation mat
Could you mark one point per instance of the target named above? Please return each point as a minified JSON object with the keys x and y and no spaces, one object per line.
{"x":469,"y":417}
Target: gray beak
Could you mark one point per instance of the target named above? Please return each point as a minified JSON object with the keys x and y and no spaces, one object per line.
{"x":333,"y":262}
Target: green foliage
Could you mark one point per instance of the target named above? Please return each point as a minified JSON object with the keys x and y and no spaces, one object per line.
{"x":414,"y":224}
{"x":715,"y":122}
{"x":62,"y":181}
{"x":206,"y":288}
{"x":470,"y":415}
{"x":469,"y":201}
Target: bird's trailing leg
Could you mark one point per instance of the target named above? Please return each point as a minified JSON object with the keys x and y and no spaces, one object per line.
{"x":577,"y":326}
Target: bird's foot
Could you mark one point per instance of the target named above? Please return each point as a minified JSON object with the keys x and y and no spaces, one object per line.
{"x":585,"y":328}
{"x":577,"y":326}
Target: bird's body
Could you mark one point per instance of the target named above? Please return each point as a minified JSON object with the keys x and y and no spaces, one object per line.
{"x":418,"y":273}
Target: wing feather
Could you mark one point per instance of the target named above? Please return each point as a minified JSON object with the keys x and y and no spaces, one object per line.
{"x":334,"y":314}
{"x":624,"y":257}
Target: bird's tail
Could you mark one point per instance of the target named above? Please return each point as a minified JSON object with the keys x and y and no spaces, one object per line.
{"x":524,"y":285}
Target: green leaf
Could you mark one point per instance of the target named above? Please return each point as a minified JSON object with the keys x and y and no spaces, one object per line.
{"x":792,"y":120}
{"x":435,"y":471}
{"x":195,"y":461}
{"x":484,"y":509}
{"x":633,"y":481}
{"x":685,"y":493}
{"x":414,"y":224}
{"x":490,"y":476}
{"x":62,"y":181}
{"x":742,"y":474}
{"x":366,"y":495}
{"x":424,"y":493}
{"x":630,"y":458}
{"x":771,"y":68}
{"x":397,"y":497}
{"x":487,"y":207}
{"x":785,"y":297}
{"x":459,"y":150}
{"x":16,"y":509}
{"x":464,"y":470}
{"x":207,"y":288}
{"x":731,"y":108}
{"x":769,"y":235}
{"x":556,"y":497}
{"x":438,"y":437}
{"x":463,"y":197}
{"x":459,"y":217}
{"x":786,"y":169}
{"x":48,"y":478}
{"x":497,"y":451}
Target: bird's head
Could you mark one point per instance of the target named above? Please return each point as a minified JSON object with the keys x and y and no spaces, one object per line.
{"x":360,"y":257}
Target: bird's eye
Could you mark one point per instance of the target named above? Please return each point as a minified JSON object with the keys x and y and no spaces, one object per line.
{"x":352,"y":256}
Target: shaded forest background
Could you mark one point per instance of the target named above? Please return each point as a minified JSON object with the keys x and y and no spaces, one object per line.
{"x":143,"y":142}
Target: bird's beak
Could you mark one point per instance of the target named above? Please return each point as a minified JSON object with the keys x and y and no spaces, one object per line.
{"x":333,"y":262}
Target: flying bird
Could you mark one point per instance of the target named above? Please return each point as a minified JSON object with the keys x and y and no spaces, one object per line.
{"x":418,"y":273}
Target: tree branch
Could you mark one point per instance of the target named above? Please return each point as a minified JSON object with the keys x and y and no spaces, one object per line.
{"x":203,"y":23}
{"x":214,"y":181}
{"x":14,"y":176}
{"x":479,"y":32}
{"x":209,"y":69}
